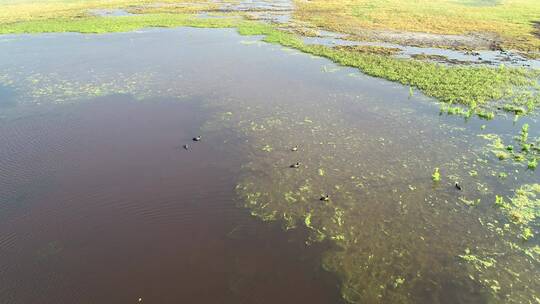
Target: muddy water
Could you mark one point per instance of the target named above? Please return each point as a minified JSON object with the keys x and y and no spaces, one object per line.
{"x":388,"y":232}
{"x":101,"y":204}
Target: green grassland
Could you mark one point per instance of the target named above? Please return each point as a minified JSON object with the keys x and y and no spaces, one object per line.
{"x":30,"y":10}
{"x":513,"y":23}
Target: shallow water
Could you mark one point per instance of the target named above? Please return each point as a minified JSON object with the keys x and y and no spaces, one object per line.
{"x":484,"y":57}
{"x":100,"y":203}
{"x":280,"y":12}
{"x":98,"y":170}
{"x":109,"y":12}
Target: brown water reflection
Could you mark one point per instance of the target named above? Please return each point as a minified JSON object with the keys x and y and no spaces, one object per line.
{"x":363,"y":141}
{"x":100,"y":204}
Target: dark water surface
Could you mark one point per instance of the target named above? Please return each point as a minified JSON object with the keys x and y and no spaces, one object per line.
{"x":100,"y":203}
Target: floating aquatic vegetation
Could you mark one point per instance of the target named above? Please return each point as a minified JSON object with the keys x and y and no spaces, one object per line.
{"x":267,"y":148}
{"x":364,"y":217}
{"x":477,"y":262}
{"x":436,"y":176}
{"x":463,"y":85}
{"x":527,"y":234}
{"x":515,"y":109}
{"x":533,"y":163}
{"x":373,"y":202}
{"x":469,"y":202}
{"x":488,"y":115}
{"x":524,"y":133}
{"x":454,"y":110}
{"x":522,"y":209}
{"x":502,"y":151}
{"x":47,"y":88}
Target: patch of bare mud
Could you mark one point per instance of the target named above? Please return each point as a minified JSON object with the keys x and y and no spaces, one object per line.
{"x":475,"y":41}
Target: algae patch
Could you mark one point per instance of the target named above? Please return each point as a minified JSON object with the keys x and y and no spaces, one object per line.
{"x":523,"y":209}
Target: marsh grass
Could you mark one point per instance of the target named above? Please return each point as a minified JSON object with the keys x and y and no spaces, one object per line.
{"x":511,"y":21}
{"x":12,"y":11}
{"x":97,"y":25}
{"x":470,"y":86}
{"x":369,"y":49}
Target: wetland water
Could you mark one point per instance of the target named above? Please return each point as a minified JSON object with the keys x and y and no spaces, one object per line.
{"x":100,"y":203}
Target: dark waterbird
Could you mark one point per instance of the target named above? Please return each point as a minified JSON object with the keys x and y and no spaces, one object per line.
{"x":296,"y":165}
{"x":198,"y":138}
{"x":325,"y":198}
{"x":458,"y":186}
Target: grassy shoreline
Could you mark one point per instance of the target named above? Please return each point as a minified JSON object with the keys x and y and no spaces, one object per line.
{"x":480,"y":89}
{"x":509,"y":24}
{"x":475,"y":88}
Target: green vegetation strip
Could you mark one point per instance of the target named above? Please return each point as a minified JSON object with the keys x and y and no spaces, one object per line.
{"x":474,"y":87}
{"x":97,"y":25}
{"x":526,"y":150}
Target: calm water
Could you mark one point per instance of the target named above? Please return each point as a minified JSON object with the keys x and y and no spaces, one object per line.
{"x":100,"y":203}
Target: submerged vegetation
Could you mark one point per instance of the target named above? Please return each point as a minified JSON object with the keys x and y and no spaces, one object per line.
{"x":375,"y":261}
{"x":522,"y":210}
{"x":475,"y":87}
{"x":527,"y":153}
{"x":338,"y":199}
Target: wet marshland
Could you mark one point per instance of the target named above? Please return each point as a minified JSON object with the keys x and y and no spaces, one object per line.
{"x":100,"y":202}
